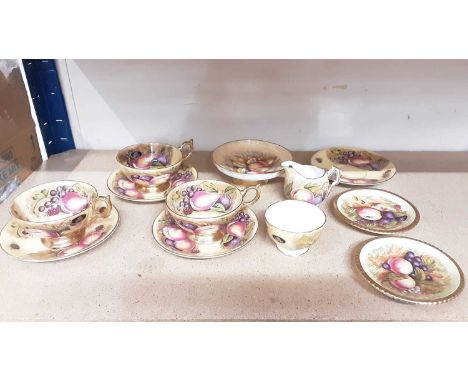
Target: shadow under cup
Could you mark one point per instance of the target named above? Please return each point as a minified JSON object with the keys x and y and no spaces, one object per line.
{"x":58,"y":213}
{"x":294,"y":225}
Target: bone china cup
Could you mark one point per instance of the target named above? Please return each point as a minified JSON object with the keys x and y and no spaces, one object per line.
{"x":152,"y":164}
{"x":58,"y":212}
{"x":294,"y":225}
{"x":208,"y":211}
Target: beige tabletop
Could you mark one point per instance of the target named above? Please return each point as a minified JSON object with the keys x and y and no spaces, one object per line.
{"x":130,"y":278}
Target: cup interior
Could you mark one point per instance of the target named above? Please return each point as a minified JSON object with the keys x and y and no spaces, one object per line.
{"x":203,"y":199}
{"x":149,"y":156}
{"x":53,"y":201}
{"x":295,"y":216}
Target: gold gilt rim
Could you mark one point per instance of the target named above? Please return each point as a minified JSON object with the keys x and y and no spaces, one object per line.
{"x":393,"y":296}
{"x":375,"y":231}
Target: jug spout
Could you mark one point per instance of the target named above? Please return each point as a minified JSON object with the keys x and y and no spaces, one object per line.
{"x":302,"y":170}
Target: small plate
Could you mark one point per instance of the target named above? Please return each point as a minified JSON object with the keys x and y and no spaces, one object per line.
{"x":120,"y":186}
{"x":33,"y":250}
{"x":250,"y":160}
{"x":409,"y":270}
{"x":202,"y":251}
{"x":358,"y":167}
{"x":376,"y":211}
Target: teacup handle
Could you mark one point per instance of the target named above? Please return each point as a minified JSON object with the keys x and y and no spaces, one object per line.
{"x":254,"y":199}
{"x":105,"y":209}
{"x":186,"y":148}
{"x":333,"y":174}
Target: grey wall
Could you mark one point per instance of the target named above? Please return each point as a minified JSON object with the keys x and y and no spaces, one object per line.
{"x":301,"y":104}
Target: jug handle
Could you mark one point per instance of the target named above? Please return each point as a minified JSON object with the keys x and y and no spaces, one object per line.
{"x":334,"y":174}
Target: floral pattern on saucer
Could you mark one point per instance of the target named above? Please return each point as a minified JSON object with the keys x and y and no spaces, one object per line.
{"x":376,"y":211}
{"x":181,"y":239}
{"x":34,"y":250}
{"x":411,"y":271}
{"x":120,"y":186}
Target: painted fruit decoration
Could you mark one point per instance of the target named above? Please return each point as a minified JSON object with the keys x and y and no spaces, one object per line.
{"x":204,"y":197}
{"x":62,"y":199}
{"x":406,"y":271}
{"x":253,"y":162}
{"x":357,"y":158}
{"x":145,"y":161}
{"x":306,"y":195}
{"x":374,"y":212}
{"x":85,"y":242}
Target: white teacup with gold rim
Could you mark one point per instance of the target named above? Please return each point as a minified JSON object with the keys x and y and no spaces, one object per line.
{"x":207,"y":211}
{"x":152,"y":164}
{"x":58,"y":212}
{"x":294,"y":225}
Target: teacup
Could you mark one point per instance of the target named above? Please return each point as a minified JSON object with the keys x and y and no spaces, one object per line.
{"x":152,"y":164}
{"x":308,"y":183}
{"x":58,"y":212}
{"x":209,"y":211}
{"x":294,"y":225}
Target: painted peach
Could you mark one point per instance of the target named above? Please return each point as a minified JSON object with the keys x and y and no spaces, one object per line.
{"x":185,"y":245}
{"x":400,"y":266}
{"x":174,"y":233}
{"x":125,"y":184}
{"x":369,"y":213}
{"x":404,"y":284}
{"x":236,"y":229}
{"x":74,"y":202}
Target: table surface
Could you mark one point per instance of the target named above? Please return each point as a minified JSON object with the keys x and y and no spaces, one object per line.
{"x":130,"y":278}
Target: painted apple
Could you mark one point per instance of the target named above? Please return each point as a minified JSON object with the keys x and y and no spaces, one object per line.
{"x":236,"y":229}
{"x":258,"y":166}
{"x":306,"y":196}
{"x":174,"y":233}
{"x":143,"y":162}
{"x":91,"y":238}
{"x":203,"y":201}
{"x":404,"y":284}
{"x":158,"y":180}
{"x":357,"y":161}
{"x":369,"y":213}
{"x":125,"y":184}
{"x":185,"y":245}
{"x":74,"y":202}
{"x":400,"y":266}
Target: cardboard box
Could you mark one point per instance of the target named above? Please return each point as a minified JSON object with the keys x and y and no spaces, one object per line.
{"x":19,"y":148}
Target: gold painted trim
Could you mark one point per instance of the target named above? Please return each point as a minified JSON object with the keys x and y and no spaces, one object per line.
{"x":370,"y":280}
{"x":377,"y":231}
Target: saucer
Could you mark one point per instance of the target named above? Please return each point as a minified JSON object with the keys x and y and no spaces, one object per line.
{"x":376,"y":211}
{"x":203,"y":251}
{"x":250,"y":161}
{"x":358,"y":167}
{"x":409,"y":270}
{"x":33,"y":250}
{"x":120,"y":186}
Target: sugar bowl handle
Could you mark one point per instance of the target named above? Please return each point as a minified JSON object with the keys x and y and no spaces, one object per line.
{"x":246,"y":190}
{"x":186,"y":149}
{"x":334,"y":174}
{"x":103,"y":206}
